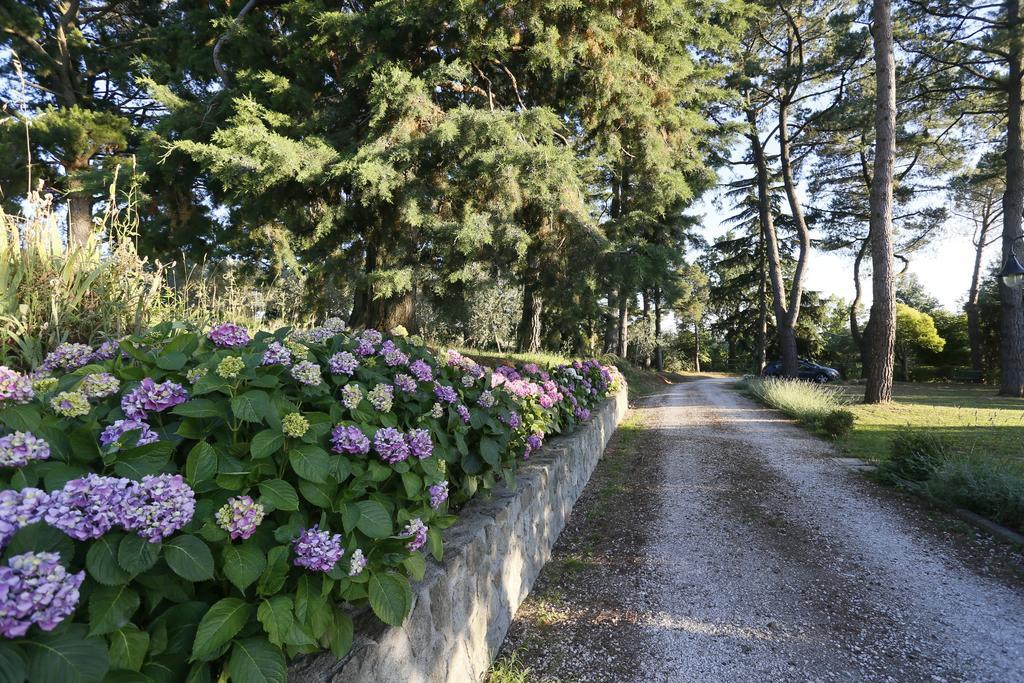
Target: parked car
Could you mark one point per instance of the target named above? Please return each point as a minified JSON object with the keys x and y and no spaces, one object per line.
{"x":808,"y":370}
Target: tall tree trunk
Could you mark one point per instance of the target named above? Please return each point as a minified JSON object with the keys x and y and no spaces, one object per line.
{"x":623,"y":326}
{"x":645,"y":304}
{"x":783,"y":327}
{"x":528,"y":339}
{"x":696,"y":346}
{"x":377,"y":311}
{"x":971,"y":307}
{"x":761,"y":346}
{"x":611,"y":323}
{"x":883,"y":286}
{"x":659,"y":360}
{"x":1011,"y":303}
{"x":858,"y":292}
{"x":79,"y":218}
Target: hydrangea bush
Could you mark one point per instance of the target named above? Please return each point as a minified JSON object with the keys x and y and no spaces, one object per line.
{"x":202,"y":507}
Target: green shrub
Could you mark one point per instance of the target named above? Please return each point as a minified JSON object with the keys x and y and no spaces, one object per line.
{"x":993,"y":487}
{"x":838,"y":423}
{"x":916,"y":454}
{"x":220,"y":503}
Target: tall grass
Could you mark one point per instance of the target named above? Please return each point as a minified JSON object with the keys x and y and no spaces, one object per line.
{"x":53,"y":292}
{"x":818,"y":406}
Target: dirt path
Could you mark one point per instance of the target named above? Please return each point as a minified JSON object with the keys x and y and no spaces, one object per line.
{"x":717,"y":542}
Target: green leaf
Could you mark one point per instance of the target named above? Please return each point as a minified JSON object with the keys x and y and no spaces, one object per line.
{"x":412,"y":482}
{"x":171,"y":361}
{"x":199,"y":407}
{"x":374,"y":519}
{"x":68,"y":656}
{"x":276,"y":615}
{"x":41,"y":537}
{"x":208,"y":383}
{"x":219,"y":625}
{"x":12,"y":663}
{"x":21,"y":418}
{"x":252,"y":406}
{"x":128,"y":648}
{"x":319,"y":495}
{"x":266,"y":443}
{"x":310,"y":462}
{"x":490,"y":451}
{"x":276,"y":572}
{"x":254,"y":660}
{"x":279,"y":494}
{"x":390,"y":597}
{"x":181,"y":622}
{"x":201,"y":464}
{"x":136,"y":555}
{"x":110,"y":608}
{"x":416,"y":565}
{"x":243,"y":564}
{"x":189,"y":557}
{"x":101,"y":561}
{"x":341,"y":634}
{"x":434,"y":543}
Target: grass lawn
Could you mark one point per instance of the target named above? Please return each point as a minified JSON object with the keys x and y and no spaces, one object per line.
{"x":972,"y":415}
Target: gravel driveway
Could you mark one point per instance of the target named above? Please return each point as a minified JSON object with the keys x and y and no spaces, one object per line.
{"x":718,"y":542}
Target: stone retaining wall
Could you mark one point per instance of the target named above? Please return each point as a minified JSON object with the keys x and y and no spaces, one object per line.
{"x":492,"y":555}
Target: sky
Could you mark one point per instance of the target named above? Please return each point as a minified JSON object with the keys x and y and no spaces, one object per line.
{"x":943,"y":267}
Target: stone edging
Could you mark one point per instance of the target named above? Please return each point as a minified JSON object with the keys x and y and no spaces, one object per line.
{"x":464,"y":605}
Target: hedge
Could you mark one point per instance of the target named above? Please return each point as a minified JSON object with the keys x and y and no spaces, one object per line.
{"x":179,"y":506}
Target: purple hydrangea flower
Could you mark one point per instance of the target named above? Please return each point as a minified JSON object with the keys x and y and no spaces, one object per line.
{"x":105,"y":351}
{"x":229,"y":335}
{"x":317,"y":549}
{"x":445,"y":393}
{"x":533,"y":442}
{"x":36,"y":589}
{"x":395,"y":357}
{"x":15,"y":387}
{"x":343,"y":363}
{"x":152,"y":396}
{"x":405,"y":383}
{"x":390,"y":445}
{"x":464,"y":413}
{"x":421,"y":370}
{"x":19,"y":448}
{"x":582,"y":414}
{"x":89,"y":506}
{"x":546,"y":401}
{"x":349,"y":440}
{"x":276,"y":354}
{"x":513,"y":420}
{"x":372,"y":336}
{"x":438,"y":494}
{"x":240,"y":517}
{"x":67,"y":357}
{"x":307,"y":372}
{"x":112,"y":433}
{"x":418,"y":530}
{"x":158,"y":506}
{"x":420,"y":444}
{"x":486,"y":400}
{"x":19,"y":509}
{"x":365,"y":348}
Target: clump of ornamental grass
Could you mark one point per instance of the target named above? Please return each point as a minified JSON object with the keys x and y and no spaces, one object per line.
{"x":816,"y":406}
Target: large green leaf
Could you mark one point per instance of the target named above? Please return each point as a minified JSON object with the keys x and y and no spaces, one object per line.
{"x":41,"y":537}
{"x":128,"y":648}
{"x":68,"y":656}
{"x":390,"y":597}
{"x":252,"y":406}
{"x":189,"y":557}
{"x":201,"y":463}
{"x":374,"y":519}
{"x":243,"y":564}
{"x":254,"y":660}
{"x":12,"y":663}
{"x":200,"y":407}
{"x":101,"y":561}
{"x":110,"y":608}
{"x":276,"y":572}
{"x":277,"y":616}
{"x":136,"y":555}
{"x":266,"y":443}
{"x":490,"y":451}
{"x":21,"y":418}
{"x":279,"y":494}
{"x":310,"y":462}
{"x":219,"y":625}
